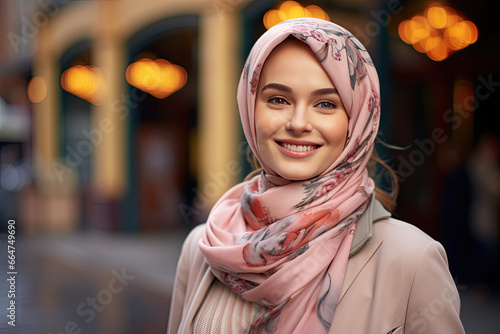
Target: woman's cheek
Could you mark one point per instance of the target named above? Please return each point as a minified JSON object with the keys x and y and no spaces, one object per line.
{"x":276,"y":118}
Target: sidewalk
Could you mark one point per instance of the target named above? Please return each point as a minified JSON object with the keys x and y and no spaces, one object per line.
{"x":94,"y":282}
{"x":152,"y":257}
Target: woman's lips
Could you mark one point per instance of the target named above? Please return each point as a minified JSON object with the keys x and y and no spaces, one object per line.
{"x":297,"y":150}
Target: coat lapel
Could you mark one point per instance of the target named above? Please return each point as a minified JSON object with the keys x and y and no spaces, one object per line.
{"x":363,"y":246}
{"x":356,"y":263}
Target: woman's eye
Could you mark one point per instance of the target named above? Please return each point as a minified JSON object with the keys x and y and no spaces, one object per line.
{"x":326,"y":105}
{"x":277,"y":101}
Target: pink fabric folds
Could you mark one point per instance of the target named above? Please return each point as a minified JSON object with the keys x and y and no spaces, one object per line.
{"x":285,"y":244}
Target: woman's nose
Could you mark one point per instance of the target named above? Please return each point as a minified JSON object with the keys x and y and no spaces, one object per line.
{"x":299,"y":121}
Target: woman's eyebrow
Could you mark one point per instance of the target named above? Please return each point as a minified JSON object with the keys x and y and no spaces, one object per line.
{"x":325,"y":91}
{"x":277,"y":86}
{"x":287,"y":89}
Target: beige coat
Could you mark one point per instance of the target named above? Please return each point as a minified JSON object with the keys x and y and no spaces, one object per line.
{"x":397,"y":281}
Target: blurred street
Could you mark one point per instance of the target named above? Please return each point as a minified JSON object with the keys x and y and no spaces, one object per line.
{"x":91,"y":281}
{"x":59,"y":277}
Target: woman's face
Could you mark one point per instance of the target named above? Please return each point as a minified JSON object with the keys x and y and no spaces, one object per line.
{"x":300,"y":121}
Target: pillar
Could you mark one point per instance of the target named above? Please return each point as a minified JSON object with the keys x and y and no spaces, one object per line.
{"x":219,"y":126}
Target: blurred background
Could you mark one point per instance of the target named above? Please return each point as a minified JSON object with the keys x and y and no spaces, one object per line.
{"x":119,"y":129}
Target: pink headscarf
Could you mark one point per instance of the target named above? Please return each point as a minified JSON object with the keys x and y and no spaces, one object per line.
{"x":285,"y":244}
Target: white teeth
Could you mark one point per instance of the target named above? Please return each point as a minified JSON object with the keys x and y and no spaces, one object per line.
{"x":298,"y":148}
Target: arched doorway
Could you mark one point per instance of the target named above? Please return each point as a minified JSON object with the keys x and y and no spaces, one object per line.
{"x":161,"y":129}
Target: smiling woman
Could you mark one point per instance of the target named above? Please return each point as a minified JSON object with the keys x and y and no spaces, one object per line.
{"x":304,"y":245}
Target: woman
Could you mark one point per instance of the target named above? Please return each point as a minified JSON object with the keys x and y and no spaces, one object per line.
{"x":304,"y":246}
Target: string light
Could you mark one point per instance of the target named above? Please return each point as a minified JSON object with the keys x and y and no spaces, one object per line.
{"x":438,"y":32}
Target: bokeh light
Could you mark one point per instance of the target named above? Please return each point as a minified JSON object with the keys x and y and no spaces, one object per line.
{"x":437,"y":16}
{"x":438,"y":32}
{"x":291,"y":10}
{"x":37,"y":89}
{"x":158,"y":78}
{"x":436,"y":48}
{"x":86,"y":82}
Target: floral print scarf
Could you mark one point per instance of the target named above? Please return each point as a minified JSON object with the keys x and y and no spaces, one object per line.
{"x":285,"y":244}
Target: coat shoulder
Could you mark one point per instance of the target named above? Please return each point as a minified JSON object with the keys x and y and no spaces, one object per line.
{"x":404,"y":245}
{"x":401,"y":235}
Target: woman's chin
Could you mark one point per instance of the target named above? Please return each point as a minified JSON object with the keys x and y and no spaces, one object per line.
{"x":297,"y":175}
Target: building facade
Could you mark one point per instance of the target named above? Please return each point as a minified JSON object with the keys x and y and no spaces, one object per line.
{"x":130,"y":161}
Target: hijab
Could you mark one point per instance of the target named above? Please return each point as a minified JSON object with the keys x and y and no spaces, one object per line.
{"x":285,"y":244}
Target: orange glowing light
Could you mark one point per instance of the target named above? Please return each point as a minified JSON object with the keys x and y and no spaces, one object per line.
{"x":86,"y":82}
{"x":290,"y":10}
{"x":461,"y":35}
{"x":437,"y":16}
{"x":37,"y":89}
{"x":420,"y":28}
{"x":158,"y":78}
{"x":317,"y":12}
{"x":469,"y":32}
{"x":436,"y":49}
{"x":271,"y":18}
{"x":404,"y":31}
{"x":452,"y":19}
{"x":420,"y":46}
{"x":439,"y":32}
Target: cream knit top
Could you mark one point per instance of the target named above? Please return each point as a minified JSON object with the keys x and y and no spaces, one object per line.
{"x":225,"y":312}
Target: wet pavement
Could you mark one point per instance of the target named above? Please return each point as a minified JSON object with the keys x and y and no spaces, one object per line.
{"x":95,"y":282}
{"x":91,"y":283}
